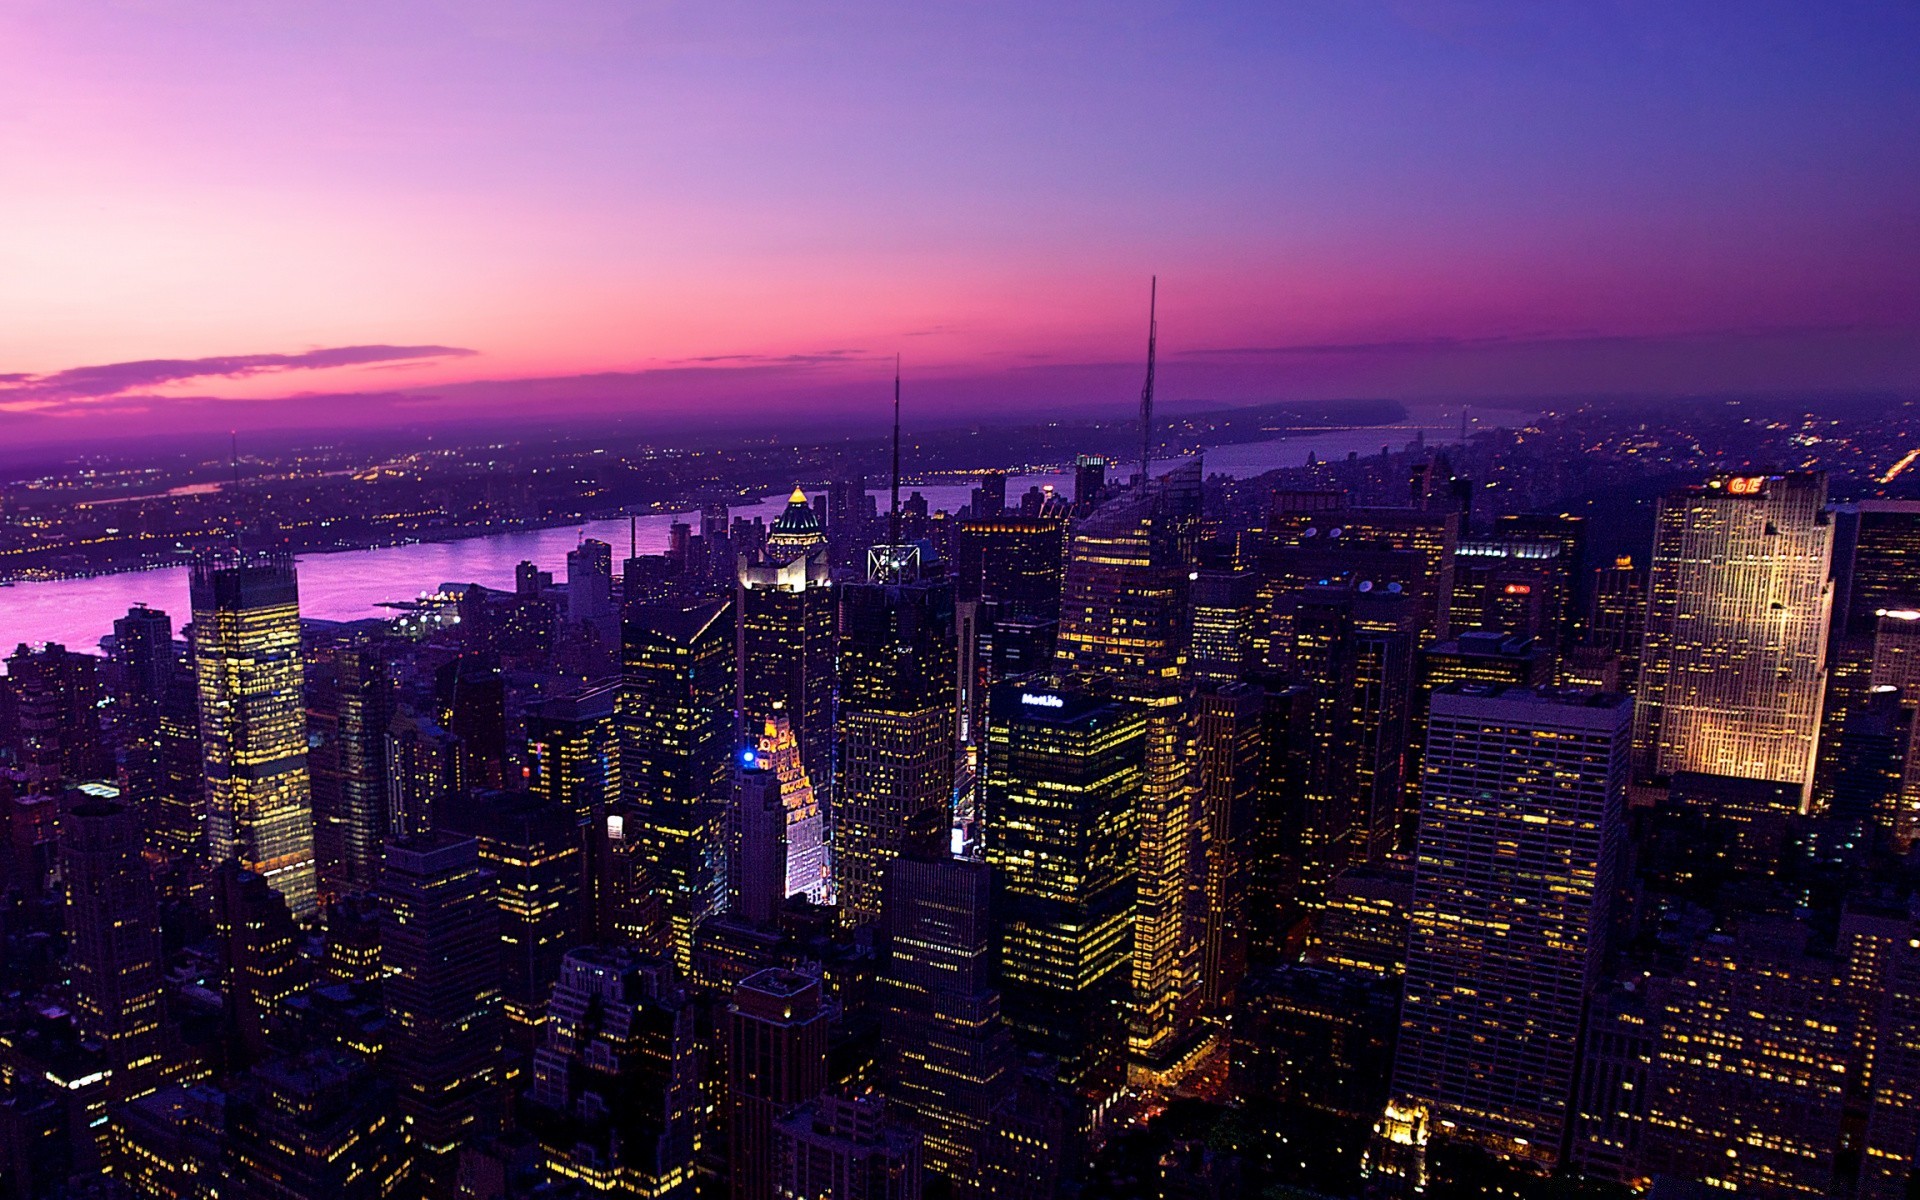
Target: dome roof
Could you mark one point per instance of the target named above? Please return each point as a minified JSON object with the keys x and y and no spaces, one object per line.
{"x":798,"y":526}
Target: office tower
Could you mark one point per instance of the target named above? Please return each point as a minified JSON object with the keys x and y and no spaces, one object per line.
{"x":676,"y":741}
{"x":949,"y":1054}
{"x":1277,"y":845}
{"x":573,"y":749}
{"x":786,"y":655}
{"x":1124,"y":601}
{"x":846,"y":1148}
{"x":990,"y":497}
{"x":350,"y":707}
{"x":1059,"y":821}
{"x":616,"y":1083}
{"x":1884,"y":966}
{"x":426,"y":772}
{"x":1363,"y":927}
{"x":470,"y":702}
{"x":1481,"y":656}
{"x":1610,"y":1100}
{"x":1226,"y":743}
{"x":532,"y":846}
{"x":1513,"y":585}
{"x":796,"y":532}
{"x":1016,"y":560}
{"x":1732,"y":675}
{"x":113,"y":938}
{"x":1318,"y":537}
{"x":589,"y":581}
{"x":440,"y":947}
{"x":1089,"y":482}
{"x":172,"y":1144}
{"x":320,"y":1124}
{"x":776,"y":1031}
{"x":776,"y":845}
{"x":1522,"y":831}
{"x":1352,"y":647}
{"x":1316,"y":1038}
{"x":57,"y":697}
{"x":1618,"y":622}
{"x":897,"y":724}
{"x":846,"y":504}
{"x":1749,"y":1082}
{"x":145,"y":668}
{"x":526,"y":579}
{"x":253,"y":728}
{"x":260,"y":950}
{"x":1220,"y":626}
{"x":1876,"y":568}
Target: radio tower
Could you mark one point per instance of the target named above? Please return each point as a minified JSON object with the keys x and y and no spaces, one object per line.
{"x":893,"y":510}
{"x":1146,"y":391}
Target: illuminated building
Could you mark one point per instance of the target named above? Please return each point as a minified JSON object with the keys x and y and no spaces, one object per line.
{"x":532,"y":847}
{"x":1618,"y":623}
{"x":948,"y":1053}
{"x":172,"y":1144}
{"x":1511,"y":586}
{"x":113,"y":937}
{"x":57,"y":701}
{"x":1317,"y":536}
{"x":1749,"y":1082}
{"x":1059,"y":822}
{"x":786,"y":652}
{"x":776,"y":1031}
{"x":320,"y":1124}
{"x":589,"y":581}
{"x":990,"y":497}
{"x":425,"y":772}
{"x":1732,"y":674}
{"x":260,"y":949}
{"x":796,"y":531}
{"x":1123,"y":617}
{"x":1522,"y":832}
{"x":1363,"y":927}
{"x":897,"y":728}
{"x":1089,"y":482}
{"x":1876,"y":567}
{"x":440,"y":947}
{"x":1276,"y":848}
{"x":1610,"y":1101}
{"x":1221,"y":626}
{"x":146,"y":674}
{"x":616,"y":1082}
{"x":1315,"y":1037}
{"x":470,"y":701}
{"x":253,"y":726}
{"x":1482,"y":656}
{"x":1015,"y":560}
{"x":1883,"y":953}
{"x":845,"y":1148}
{"x":676,"y":739}
{"x":1227,"y":724}
{"x":573,"y":749}
{"x":776,"y":846}
{"x":350,"y":706}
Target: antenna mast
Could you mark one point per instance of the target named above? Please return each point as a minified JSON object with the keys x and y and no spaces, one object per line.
{"x":1146,"y":391}
{"x":893,"y":511}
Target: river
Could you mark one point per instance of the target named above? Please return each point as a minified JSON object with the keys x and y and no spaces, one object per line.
{"x":346,"y":585}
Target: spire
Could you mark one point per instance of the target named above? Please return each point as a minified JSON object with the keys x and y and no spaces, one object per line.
{"x":1146,"y":391}
{"x":799,"y":495}
{"x":893,"y":509}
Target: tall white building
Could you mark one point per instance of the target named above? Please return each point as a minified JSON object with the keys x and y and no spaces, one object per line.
{"x":1733,"y":672}
{"x":1522,"y":830}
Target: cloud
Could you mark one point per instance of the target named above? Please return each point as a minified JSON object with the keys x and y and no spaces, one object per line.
{"x":817,"y":358}
{"x":87,"y":385}
{"x":1442,"y":344}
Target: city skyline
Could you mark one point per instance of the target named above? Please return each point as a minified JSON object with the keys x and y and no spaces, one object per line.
{"x":422,"y":213}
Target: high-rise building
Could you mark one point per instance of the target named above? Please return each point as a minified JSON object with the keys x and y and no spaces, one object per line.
{"x":1064,"y":770}
{"x":1016,"y":560}
{"x":1876,"y":568}
{"x":426,"y":772}
{"x":1221,"y":626}
{"x":573,"y":749}
{"x":949,"y":1055}
{"x":532,"y":846}
{"x":440,"y":947}
{"x":676,"y":744}
{"x":1227,"y":723}
{"x":796,"y":531}
{"x":786,"y":653}
{"x":776,"y":1032}
{"x":253,"y":727}
{"x":113,"y":938}
{"x":1733,"y":671}
{"x":57,"y":698}
{"x":897,"y":728}
{"x":1482,"y":656}
{"x":1618,"y":623}
{"x":319,"y":1124}
{"x":1511,"y":585}
{"x":845,"y":1148}
{"x":260,"y":951}
{"x":145,"y":670}
{"x":776,"y":835}
{"x":350,"y":706}
{"x":990,"y":497}
{"x":589,"y":581}
{"x":616,"y":1082}
{"x":1522,"y":833}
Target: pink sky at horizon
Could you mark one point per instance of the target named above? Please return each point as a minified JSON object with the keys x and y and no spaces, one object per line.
{"x":1479,"y":197}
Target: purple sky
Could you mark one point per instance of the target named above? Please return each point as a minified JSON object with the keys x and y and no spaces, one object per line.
{"x":207,"y":206}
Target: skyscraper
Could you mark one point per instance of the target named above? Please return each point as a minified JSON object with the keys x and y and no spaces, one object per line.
{"x":253,"y":727}
{"x":589,"y":581}
{"x":57,"y":699}
{"x":350,"y":706}
{"x":440,"y":947}
{"x":1522,"y":832}
{"x":846,"y":1148}
{"x":776,"y":1030}
{"x":573,"y":749}
{"x":1064,"y":770}
{"x":1732,"y":675}
{"x":776,"y":835}
{"x":1016,"y":560}
{"x":676,"y":741}
{"x":786,"y":655}
{"x":897,"y":727}
{"x":1227,"y":745}
{"x":113,"y":938}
